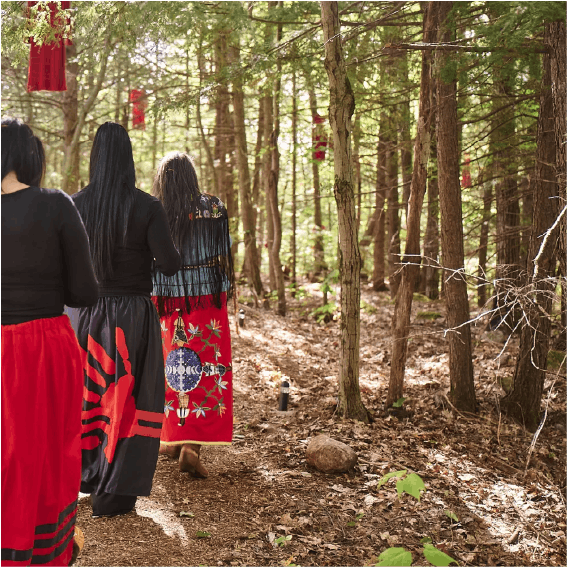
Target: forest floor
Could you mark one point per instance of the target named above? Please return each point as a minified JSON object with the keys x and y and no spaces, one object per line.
{"x":263,"y":505}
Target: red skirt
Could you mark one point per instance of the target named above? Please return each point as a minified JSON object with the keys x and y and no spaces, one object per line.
{"x":41,"y":441}
{"x":198,"y":376}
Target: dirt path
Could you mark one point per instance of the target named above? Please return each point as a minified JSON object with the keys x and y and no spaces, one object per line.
{"x":261,"y":491}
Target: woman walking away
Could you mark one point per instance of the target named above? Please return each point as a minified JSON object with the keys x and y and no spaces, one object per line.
{"x":120,"y":335}
{"x":194,"y":321}
{"x":45,"y":264}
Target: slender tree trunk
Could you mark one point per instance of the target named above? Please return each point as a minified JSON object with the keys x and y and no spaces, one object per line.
{"x":272,"y":195}
{"x":341,"y":109}
{"x":506,"y":191}
{"x":483,"y":244}
{"x":251,"y":265}
{"x":558,"y":47}
{"x":405,"y":138}
{"x":72,"y":149}
{"x":257,"y":183}
{"x":410,"y":262}
{"x":320,"y":265}
{"x":431,"y":240}
{"x":394,"y":256}
{"x":266,"y":171}
{"x":357,"y":169}
{"x":378,"y":275}
{"x":293,"y":186}
{"x":70,"y":118}
{"x":459,"y":334}
{"x":524,"y":400}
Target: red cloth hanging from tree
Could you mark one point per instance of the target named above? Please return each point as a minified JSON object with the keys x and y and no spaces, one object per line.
{"x":320,"y":138}
{"x":466,"y":181}
{"x":139,"y":105}
{"x":46,"y":70}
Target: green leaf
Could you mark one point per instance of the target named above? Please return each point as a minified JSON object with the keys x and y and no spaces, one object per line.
{"x":436,"y":557}
{"x":360,"y":515}
{"x":425,"y":540}
{"x":186,"y":514}
{"x":451,"y":515}
{"x":351,"y":524}
{"x":399,"y":402}
{"x":395,"y":557}
{"x":390,"y":475}
{"x":412,"y":484}
{"x":203,"y":534}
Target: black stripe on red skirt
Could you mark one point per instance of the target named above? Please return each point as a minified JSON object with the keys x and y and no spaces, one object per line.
{"x":65,"y":527}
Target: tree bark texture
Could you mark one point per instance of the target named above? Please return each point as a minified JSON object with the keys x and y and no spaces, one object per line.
{"x":457,"y":305}
{"x":341,"y":109}
{"x":293,"y":244}
{"x":431,"y":239}
{"x":558,"y":92}
{"x":524,"y":400}
{"x":482,"y":283}
{"x":411,"y":260}
{"x":319,"y":252}
{"x":379,"y":273}
{"x":272,"y":195}
{"x":394,"y":256}
{"x":70,"y":109}
{"x":266,"y":172}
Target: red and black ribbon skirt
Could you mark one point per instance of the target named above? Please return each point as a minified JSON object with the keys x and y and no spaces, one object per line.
{"x":41,"y":441}
{"x":198,"y":373}
{"x":123,"y":394}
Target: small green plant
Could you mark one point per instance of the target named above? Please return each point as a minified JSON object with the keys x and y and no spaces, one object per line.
{"x":325,"y":312}
{"x":429,"y":315}
{"x":399,"y":403}
{"x":398,"y":556}
{"x":282,"y":540}
{"x":300,"y":291}
{"x":357,"y":518}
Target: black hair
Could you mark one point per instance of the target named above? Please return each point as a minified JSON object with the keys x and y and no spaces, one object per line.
{"x":177,"y":187}
{"x":109,"y":197}
{"x":22,"y":152}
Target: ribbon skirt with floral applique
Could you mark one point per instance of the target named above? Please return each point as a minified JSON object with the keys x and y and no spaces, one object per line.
{"x":198,"y":376}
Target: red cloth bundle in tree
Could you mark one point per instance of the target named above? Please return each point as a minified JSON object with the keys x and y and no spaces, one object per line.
{"x":47,"y":62}
{"x":320,"y":138}
{"x":466,"y":181}
{"x":139,"y":105}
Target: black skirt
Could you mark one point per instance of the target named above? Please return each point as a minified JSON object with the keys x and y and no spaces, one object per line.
{"x":123,"y":397}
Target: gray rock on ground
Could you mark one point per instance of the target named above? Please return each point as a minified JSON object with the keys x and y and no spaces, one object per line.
{"x":329,"y":455}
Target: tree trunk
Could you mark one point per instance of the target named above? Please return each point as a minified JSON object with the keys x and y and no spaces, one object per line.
{"x":558,"y":88}
{"x":320,"y":266}
{"x":293,"y":186}
{"x":273,"y":178}
{"x":257,"y":183}
{"x":394,"y":256}
{"x":70,"y":118}
{"x":251,"y":265}
{"x":410,"y":262}
{"x":405,"y":138}
{"x":524,"y":400}
{"x":483,"y":244}
{"x":341,"y":109}
{"x":266,"y":171}
{"x":72,"y":149}
{"x":378,"y":275}
{"x":457,"y":305}
{"x":431,"y":240}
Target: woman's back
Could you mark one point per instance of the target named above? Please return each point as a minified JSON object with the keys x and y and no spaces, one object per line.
{"x":45,"y":264}
{"x":146,"y":238}
{"x":205,"y":254}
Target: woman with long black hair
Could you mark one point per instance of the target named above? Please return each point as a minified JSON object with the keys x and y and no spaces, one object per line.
{"x":193,"y":309}
{"x":45,"y":265}
{"x":123,"y":361}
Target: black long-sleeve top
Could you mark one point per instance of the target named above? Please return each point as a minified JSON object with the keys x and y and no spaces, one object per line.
{"x":147,"y":237}
{"x":45,"y":256}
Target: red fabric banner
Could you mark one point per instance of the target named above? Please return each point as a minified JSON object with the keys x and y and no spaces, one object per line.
{"x":139,"y":105}
{"x":46,"y":70}
{"x":320,"y":138}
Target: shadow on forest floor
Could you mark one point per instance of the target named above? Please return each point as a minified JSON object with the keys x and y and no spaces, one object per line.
{"x":260,"y":488}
